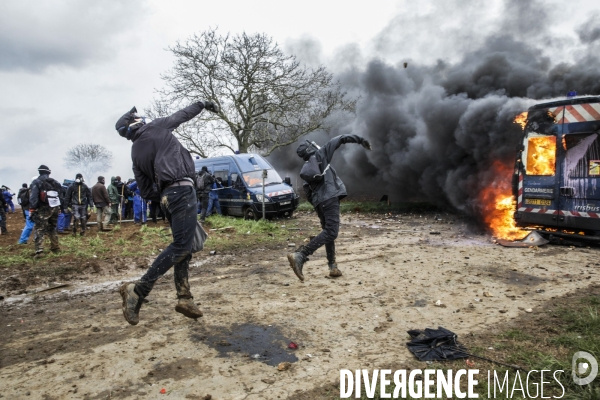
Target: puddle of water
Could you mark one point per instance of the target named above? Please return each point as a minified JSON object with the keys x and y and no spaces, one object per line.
{"x":263,"y":343}
{"x":515,"y":277}
{"x":419,"y":303}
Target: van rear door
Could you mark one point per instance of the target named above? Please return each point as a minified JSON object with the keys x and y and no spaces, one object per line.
{"x":221,"y":170}
{"x":537,"y":202}
{"x":579,"y":167}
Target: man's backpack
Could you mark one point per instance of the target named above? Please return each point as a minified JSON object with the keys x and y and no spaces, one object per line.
{"x":311,"y":171}
{"x":200,"y":181}
{"x":24,"y":197}
{"x":50,"y":192}
{"x":204,"y":180}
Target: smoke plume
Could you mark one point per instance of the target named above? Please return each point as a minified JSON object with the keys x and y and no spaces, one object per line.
{"x":437,"y":128}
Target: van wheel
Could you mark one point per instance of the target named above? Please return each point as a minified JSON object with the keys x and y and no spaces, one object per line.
{"x":250,"y":214}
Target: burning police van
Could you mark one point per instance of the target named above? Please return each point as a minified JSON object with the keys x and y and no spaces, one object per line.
{"x":556,"y":179}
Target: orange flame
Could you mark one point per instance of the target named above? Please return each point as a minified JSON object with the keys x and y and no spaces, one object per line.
{"x":521,"y":119}
{"x":541,"y":155}
{"x":498,"y":206}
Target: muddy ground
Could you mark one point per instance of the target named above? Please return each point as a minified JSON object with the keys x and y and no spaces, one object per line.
{"x":73,"y":343}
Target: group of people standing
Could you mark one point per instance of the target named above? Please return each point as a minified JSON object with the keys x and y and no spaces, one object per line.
{"x":46,"y":202}
{"x":127,"y":196}
{"x":49,"y":207}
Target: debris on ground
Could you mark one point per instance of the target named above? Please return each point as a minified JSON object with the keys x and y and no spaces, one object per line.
{"x":435,"y":345}
{"x":533,"y":239}
{"x":284,"y":366}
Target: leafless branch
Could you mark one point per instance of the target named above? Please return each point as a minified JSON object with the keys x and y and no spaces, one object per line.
{"x":267,"y":99}
{"x":88,"y":159}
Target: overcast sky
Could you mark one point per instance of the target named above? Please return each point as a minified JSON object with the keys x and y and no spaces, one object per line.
{"x":69,"y":69}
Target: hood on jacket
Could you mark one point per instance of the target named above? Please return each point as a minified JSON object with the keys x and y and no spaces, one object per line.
{"x":113,"y":179}
{"x":305,"y":150}
{"x":129,"y":123}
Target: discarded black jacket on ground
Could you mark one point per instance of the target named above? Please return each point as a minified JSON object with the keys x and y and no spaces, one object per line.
{"x":331,"y":186}
{"x":157,"y":155}
{"x":78,"y":194}
{"x":435,"y":345}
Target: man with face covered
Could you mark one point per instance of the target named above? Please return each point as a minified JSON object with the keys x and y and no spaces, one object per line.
{"x":164,"y":172}
{"x":325,"y":197}
{"x":78,"y":200}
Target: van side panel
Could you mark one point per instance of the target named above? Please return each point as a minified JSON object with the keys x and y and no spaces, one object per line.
{"x":580,"y":177}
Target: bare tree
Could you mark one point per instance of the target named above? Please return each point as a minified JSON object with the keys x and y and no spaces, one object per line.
{"x":88,"y":159}
{"x":267,"y":99}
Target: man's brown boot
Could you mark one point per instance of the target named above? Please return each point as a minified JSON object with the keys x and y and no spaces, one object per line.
{"x":131,"y":303}
{"x":297,"y":261}
{"x":188,"y":308}
{"x":334,"y":272}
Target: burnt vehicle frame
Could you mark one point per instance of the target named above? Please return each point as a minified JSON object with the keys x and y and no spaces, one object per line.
{"x":562,"y":199}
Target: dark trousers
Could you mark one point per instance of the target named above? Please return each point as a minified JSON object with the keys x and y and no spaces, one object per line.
{"x":204,"y":200}
{"x":3,"y":220}
{"x":155,"y":211}
{"x":114,"y":214}
{"x":329,"y":215}
{"x":179,"y":206}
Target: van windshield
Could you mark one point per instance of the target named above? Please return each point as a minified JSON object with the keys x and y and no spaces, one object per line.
{"x":254,"y":178}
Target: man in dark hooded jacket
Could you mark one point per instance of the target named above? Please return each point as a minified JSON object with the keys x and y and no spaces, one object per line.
{"x":159,"y":158}
{"x":203,"y":195}
{"x":23,"y":199}
{"x":325,"y":197}
{"x":45,"y":203}
{"x":78,"y":199}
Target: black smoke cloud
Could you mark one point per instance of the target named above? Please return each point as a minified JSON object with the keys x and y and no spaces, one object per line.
{"x":590,"y":30}
{"x":437,"y":130}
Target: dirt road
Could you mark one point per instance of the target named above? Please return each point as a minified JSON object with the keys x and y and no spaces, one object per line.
{"x":72,"y":342}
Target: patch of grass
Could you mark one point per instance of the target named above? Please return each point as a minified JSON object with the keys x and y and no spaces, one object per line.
{"x":16,"y":259}
{"x":515,"y":334}
{"x":96,"y":241}
{"x":551,"y":342}
{"x":243,"y":226}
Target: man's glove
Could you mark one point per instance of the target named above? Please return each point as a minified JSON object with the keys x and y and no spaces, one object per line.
{"x":366,"y":144}
{"x":210,"y":106}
